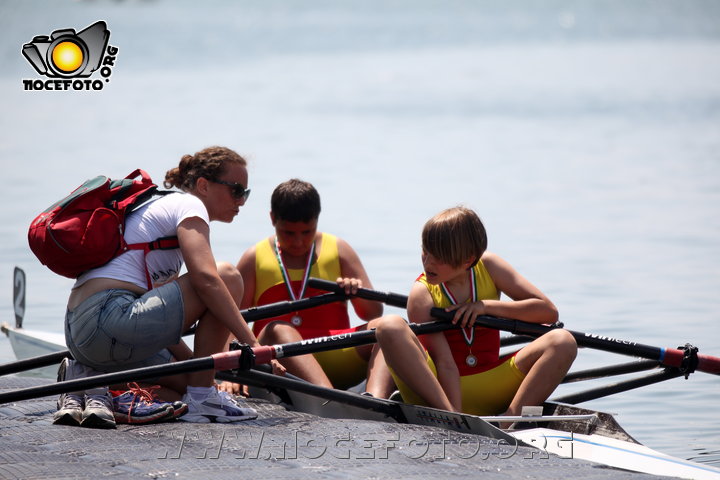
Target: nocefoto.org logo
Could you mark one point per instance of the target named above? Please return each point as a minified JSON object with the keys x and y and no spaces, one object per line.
{"x":67,"y":57}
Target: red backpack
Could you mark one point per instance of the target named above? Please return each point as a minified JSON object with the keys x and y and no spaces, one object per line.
{"x":85,"y":229}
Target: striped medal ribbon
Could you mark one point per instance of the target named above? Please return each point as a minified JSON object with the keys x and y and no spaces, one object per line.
{"x":296,"y":319}
{"x":470,"y":360}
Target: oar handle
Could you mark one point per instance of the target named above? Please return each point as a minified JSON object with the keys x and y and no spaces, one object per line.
{"x":517,"y":327}
{"x":389,"y":298}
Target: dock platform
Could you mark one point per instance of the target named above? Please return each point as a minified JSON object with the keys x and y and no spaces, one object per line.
{"x":279,"y":444}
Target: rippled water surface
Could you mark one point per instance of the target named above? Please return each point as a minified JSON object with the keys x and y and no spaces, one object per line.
{"x":586,"y":134}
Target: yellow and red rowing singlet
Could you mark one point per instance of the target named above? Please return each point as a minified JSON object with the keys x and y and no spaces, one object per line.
{"x":270,"y":288}
{"x":486,"y":342}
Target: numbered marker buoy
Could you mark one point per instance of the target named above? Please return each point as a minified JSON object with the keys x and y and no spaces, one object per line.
{"x":19,"y":296}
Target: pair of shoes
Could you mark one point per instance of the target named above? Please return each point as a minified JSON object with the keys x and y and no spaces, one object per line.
{"x":98,"y":409}
{"x":92,"y":408}
{"x":218,"y":406}
{"x":141,"y":405}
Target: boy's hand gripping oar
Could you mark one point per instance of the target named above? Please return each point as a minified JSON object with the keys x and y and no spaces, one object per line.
{"x":684,"y":358}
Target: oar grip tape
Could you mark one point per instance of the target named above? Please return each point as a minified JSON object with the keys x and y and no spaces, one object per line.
{"x":240,"y":357}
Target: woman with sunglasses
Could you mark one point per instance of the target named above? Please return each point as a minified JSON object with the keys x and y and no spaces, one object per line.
{"x":115,"y":321}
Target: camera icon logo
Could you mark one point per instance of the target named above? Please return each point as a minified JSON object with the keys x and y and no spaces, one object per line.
{"x":66,"y":53}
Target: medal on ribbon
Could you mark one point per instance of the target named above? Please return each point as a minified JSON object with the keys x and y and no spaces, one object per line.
{"x":470,"y":360}
{"x":296,"y":319}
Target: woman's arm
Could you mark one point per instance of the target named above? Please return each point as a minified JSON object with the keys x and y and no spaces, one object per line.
{"x":194,"y":238}
{"x":355,"y":276}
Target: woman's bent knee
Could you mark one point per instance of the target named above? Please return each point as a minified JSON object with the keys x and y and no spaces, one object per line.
{"x":230,"y":275}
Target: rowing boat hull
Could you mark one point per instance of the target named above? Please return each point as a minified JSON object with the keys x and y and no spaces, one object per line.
{"x":600,"y":439}
{"x":33,"y":343}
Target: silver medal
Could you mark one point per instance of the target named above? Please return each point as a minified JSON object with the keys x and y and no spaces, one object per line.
{"x":471,"y":360}
{"x":296,"y":320}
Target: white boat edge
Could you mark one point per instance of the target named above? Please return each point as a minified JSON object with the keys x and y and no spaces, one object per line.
{"x":614,"y":453}
{"x":34,"y":343}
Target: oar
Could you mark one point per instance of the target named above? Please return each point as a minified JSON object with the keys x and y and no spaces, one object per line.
{"x":393,"y":299}
{"x":235,"y":359}
{"x":250,"y":314}
{"x":258,"y":378}
{"x":33,"y":362}
{"x":396,"y":300}
{"x":684,"y":358}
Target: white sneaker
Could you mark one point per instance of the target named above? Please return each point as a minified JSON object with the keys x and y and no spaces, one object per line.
{"x":218,"y":406}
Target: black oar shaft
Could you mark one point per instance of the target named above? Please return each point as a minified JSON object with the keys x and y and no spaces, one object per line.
{"x":34,"y":362}
{"x":220,"y":361}
{"x":670,"y":357}
{"x":250,"y":314}
{"x":601,"y":372}
{"x":604,"y":391}
{"x":281,"y":308}
{"x":81,"y":384}
{"x":258,"y":378}
{"x":350,"y":339}
{"x":389,"y":298}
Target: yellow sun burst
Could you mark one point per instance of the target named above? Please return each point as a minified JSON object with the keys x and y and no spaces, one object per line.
{"x":67,"y":56}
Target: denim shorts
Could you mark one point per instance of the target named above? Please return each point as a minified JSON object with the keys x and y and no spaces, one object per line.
{"x":118,"y":329}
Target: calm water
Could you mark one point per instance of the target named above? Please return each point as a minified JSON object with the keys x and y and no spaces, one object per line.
{"x":586,"y":134}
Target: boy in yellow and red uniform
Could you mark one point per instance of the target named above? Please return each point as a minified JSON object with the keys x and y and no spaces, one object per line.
{"x":460,"y":369}
{"x":277,"y":269}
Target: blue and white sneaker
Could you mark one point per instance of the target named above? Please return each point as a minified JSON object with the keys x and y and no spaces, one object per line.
{"x":140,"y":405}
{"x":218,"y":406}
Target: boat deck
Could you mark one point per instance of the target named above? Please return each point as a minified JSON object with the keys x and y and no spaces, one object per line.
{"x":278,"y":444}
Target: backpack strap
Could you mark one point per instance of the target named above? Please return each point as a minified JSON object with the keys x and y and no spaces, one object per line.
{"x":162,"y":243}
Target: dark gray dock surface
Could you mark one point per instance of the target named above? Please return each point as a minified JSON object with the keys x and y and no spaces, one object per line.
{"x":280,"y":444}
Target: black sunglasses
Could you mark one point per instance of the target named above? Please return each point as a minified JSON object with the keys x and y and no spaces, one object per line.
{"x":237,"y":190}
